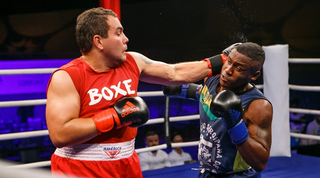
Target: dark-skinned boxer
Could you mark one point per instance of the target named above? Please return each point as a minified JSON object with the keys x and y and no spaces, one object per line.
{"x":235,"y":118}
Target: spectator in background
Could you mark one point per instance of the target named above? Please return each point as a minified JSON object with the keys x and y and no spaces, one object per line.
{"x":313,"y":128}
{"x":24,"y":112}
{"x":177,"y":156}
{"x":295,"y":116}
{"x":153,"y":159}
{"x":297,"y":120}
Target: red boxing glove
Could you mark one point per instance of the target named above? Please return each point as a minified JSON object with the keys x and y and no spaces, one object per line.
{"x":131,"y":111}
{"x":215,"y":63}
{"x":106,"y":120}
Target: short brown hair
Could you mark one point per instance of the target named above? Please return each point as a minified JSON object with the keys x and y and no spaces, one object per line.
{"x":89,"y":23}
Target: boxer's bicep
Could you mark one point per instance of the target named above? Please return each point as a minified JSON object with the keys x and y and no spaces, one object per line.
{"x":170,"y":74}
{"x":153,"y":71}
{"x":258,"y":118}
{"x":63,"y":104}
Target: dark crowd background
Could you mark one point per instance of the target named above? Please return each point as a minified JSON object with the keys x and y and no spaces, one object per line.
{"x":167,"y":30}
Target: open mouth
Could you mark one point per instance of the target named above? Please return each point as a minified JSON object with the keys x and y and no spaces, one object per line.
{"x":224,"y":79}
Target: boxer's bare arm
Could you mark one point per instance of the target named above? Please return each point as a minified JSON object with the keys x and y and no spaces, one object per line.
{"x":256,"y":149}
{"x":170,"y":74}
{"x":62,"y":113}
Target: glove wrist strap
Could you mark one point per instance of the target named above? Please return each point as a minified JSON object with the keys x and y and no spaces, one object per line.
{"x":215,"y":63}
{"x":105,"y":120}
{"x":239,"y":133}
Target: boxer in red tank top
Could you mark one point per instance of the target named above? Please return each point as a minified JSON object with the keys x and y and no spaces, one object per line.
{"x":92,"y":109}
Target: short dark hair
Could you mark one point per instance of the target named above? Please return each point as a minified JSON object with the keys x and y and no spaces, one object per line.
{"x":149,"y":133}
{"x":174,"y":134}
{"x":89,"y":23}
{"x":253,"y":51}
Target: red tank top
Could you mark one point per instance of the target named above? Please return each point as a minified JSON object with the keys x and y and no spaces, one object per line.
{"x":100,"y":90}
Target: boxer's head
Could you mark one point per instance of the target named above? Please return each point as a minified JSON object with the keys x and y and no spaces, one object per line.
{"x":89,"y":23}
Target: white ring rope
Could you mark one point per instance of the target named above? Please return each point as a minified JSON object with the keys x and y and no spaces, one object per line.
{"x":12,"y":170}
{"x":27,"y":71}
{"x":19,"y":135}
{"x":304,"y":88}
{"x":150,"y":93}
{"x":50,"y":70}
{"x":306,"y":136}
{"x":305,"y":111}
{"x":44,"y":101}
{"x":298,"y":87}
{"x":142,"y":94}
{"x":173,"y":119}
{"x":304,"y":61}
{"x":164,"y":146}
{"x":4,"y":104}
{"x":153,"y":148}
{"x":33,"y":165}
{"x":151,"y":121}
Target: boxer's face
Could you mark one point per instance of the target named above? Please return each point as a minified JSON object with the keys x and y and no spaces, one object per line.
{"x":152,"y":140}
{"x":115,"y":45}
{"x":237,"y":71}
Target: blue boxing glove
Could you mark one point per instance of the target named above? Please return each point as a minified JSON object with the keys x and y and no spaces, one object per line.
{"x":186,"y":91}
{"x":227,"y":105}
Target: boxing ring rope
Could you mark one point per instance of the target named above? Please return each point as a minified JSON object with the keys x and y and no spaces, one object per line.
{"x":27,"y":71}
{"x":304,"y":61}
{"x":164,"y":146}
{"x":50,"y":70}
{"x":154,"y":93}
{"x":29,"y":134}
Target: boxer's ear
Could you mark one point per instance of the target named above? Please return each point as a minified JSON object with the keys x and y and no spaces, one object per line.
{"x":97,"y":42}
{"x":255,"y":75}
